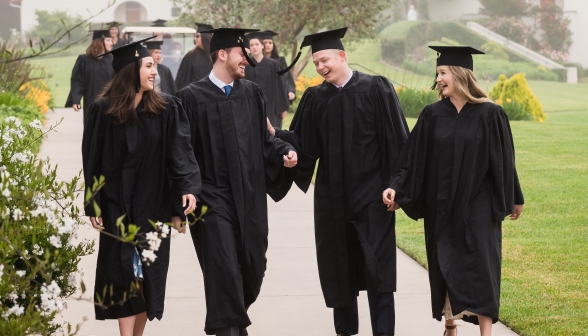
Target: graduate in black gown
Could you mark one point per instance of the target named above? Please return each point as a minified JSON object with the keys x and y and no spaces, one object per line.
{"x":164,"y":81}
{"x":270,"y":50}
{"x":196,"y":64}
{"x":139,"y":140}
{"x":240,"y":162}
{"x":90,"y":73}
{"x":114,"y":32}
{"x":265,"y":74}
{"x":457,"y":171}
{"x":353,"y":124}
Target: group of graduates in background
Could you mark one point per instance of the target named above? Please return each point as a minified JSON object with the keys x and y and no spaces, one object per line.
{"x":212,"y":137}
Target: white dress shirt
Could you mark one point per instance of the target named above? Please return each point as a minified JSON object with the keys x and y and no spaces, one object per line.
{"x":218,"y":82}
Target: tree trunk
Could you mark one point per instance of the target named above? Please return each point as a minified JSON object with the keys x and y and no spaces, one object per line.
{"x":301,"y":64}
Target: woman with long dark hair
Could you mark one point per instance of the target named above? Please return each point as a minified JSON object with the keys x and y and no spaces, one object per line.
{"x":139,"y":141}
{"x":91,"y":72}
{"x":270,"y":50}
{"x":196,"y":64}
{"x":457,"y":171}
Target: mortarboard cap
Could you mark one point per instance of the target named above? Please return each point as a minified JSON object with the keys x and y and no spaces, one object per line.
{"x":100,"y":33}
{"x":201,"y":27}
{"x":223,"y":38}
{"x":158,"y":23}
{"x":113,"y":24}
{"x":127,"y":54}
{"x":262,"y":35}
{"x":320,"y":41}
{"x":456,"y":55}
{"x":153,"y":45}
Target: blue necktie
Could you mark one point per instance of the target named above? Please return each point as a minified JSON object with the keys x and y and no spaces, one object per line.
{"x":228,"y":89}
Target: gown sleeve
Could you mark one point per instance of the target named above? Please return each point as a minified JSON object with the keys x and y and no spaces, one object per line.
{"x":184,"y":71}
{"x":278,"y":178}
{"x":92,"y":143}
{"x":304,"y":135}
{"x":409,"y":176}
{"x":169,"y":80}
{"x":77,"y":83}
{"x":392,"y":128}
{"x":506,"y":188}
{"x":183,"y":170}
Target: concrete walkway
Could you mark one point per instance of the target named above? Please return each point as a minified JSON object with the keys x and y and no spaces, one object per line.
{"x":291,"y":302}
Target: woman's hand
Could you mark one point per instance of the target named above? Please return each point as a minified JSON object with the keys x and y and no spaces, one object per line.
{"x":191,"y":200}
{"x":388,"y":199}
{"x":291,"y":95}
{"x":516,"y":212}
{"x":77,"y":107}
{"x":291,"y":159}
{"x":97,"y":223}
{"x":178,"y":225}
{"x":270,"y":128}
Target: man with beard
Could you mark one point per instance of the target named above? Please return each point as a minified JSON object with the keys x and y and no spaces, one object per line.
{"x":353,"y":124}
{"x":240,"y":162}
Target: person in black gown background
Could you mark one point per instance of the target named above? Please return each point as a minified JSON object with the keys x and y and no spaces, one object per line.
{"x":265,"y":74}
{"x":196,"y":64}
{"x":240,"y":162}
{"x":164,"y":81}
{"x":457,"y":171}
{"x":139,"y":140}
{"x":354,"y":126}
{"x":90,"y":73}
{"x":270,"y":50}
{"x":113,"y":28}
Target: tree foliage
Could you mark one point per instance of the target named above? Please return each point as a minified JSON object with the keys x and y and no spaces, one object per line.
{"x":50,"y":23}
{"x":290,"y":18}
{"x":511,"y":8}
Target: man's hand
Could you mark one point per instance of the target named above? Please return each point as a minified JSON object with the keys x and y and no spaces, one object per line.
{"x":284,"y":114}
{"x":516,"y":212}
{"x":291,"y":96}
{"x":191,"y":200}
{"x":291,"y":159}
{"x":77,"y":107}
{"x":388,"y":196}
{"x":97,"y":223}
{"x":270,"y":128}
{"x":178,"y":225}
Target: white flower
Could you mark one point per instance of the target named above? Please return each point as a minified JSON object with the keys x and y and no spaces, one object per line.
{"x":6,"y":193}
{"x":69,"y":225}
{"x":21,"y":273}
{"x":37,"y":250}
{"x":36,"y":124}
{"x":12,"y":297}
{"x":153,"y":240}
{"x":50,"y":300}
{"x":55,"y":241}
{"x":148,"y":256}
{"x":16,"y":310}
{"x":22,"y":157}
{"x":17,"y":214}
{"x":1,"y":270}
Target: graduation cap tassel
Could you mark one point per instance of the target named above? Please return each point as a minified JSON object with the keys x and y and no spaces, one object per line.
{"x":249,"y":60}
{"x":281,"y":72}
{"x":137,"y":73}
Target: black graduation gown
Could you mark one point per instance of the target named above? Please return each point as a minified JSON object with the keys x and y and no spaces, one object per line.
{"x":121,"y":42}
{"x":265,"y":74}
{"x":168,"y":85}
{"x":147,"y":165}
{"x":240,"y":161}
{"x":195,"y":66}
{"x":457,"y":171}
{"x":287,"y":78}
{"x":356,"y":133}
{"x":88,"y":78}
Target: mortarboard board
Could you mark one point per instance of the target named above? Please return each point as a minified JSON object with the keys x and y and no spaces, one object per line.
{"x":201,"y":27}
{"x":100,"y":33}
{"x":158,"y":23}
{"x":113,"y":24}
{"x":230,"y":38}
{"x":320,"y":41}
{"x":151,"y":45}
{"x":127,"y":54}
{"x":262,"y":35}
{"x":456,"y":56}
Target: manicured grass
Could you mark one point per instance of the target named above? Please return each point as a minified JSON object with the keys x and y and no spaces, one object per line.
{"x":59,"y":71}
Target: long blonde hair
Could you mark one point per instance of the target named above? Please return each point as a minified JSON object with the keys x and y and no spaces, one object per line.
{"x":467,"y":85}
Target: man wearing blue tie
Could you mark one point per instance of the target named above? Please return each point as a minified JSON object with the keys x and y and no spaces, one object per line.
{"x":240,"y":162}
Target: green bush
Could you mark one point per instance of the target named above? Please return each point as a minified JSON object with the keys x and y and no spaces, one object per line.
{"x":13,"y":74}
{"x":38,"y":222}
{"x":516,"y":111}
{"x":413,"y":100}
{"x":516,"y":90}
{"x":49,"y":25}
{"x":13,"y":105}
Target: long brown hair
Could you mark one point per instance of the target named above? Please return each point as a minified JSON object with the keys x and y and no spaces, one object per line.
{"x":467,"y":85}
{"x":95,"y":48}
{"x":120,"y":92}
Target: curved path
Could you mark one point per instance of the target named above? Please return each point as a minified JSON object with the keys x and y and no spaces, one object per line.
{"x":290,"y":304}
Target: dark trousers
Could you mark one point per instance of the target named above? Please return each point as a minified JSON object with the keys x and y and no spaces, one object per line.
{"x":381,"y":313}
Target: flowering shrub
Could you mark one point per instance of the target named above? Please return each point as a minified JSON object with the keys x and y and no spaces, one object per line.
{"x":514,"y":91}
{"x":511,"y":28}
{"x":38,"y":93}
{"x":556,"y":34}
{"x":413,"y":100}
{"x":38,"y":222}
{"x":303,"y":83}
